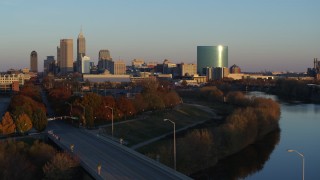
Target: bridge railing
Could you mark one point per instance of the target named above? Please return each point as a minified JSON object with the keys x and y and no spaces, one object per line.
{"x":92,"y":171}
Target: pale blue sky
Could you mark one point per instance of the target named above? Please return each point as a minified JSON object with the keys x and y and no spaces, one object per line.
{"x":276,"y":35}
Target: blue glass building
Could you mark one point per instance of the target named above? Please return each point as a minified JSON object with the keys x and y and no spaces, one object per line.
{"x":211,"y":56}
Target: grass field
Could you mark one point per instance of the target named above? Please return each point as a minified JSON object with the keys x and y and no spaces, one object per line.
{"x":152,"y":125}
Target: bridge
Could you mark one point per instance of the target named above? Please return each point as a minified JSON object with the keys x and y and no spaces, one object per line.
{"x":116,"y":161}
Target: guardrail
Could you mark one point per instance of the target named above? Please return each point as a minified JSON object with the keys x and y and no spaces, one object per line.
{"x":141,"y":157}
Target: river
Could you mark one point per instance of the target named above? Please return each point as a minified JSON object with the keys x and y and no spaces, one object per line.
{"x":268,"y":158}
{"x":4,"y":103}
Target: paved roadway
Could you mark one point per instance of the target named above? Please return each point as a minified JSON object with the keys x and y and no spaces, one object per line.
{"x":117,"y":162}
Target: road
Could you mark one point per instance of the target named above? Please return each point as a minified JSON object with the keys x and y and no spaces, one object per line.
{"x":117,"y":162}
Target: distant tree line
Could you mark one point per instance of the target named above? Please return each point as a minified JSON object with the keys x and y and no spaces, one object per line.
{"x":297,"y":90}
{"x":25,"y":111}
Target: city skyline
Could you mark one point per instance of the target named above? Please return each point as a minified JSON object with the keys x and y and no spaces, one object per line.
{"x":276,"y":36}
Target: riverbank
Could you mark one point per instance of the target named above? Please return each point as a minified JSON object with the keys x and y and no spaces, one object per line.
{"x":249,"y":120}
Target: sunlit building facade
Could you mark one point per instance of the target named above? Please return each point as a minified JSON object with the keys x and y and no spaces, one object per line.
{"x":211,"y":56}
{"x":66,"y":55}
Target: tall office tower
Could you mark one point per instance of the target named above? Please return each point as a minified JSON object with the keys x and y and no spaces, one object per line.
{"x":58,"y":57}
{"x":66,"y":56}
{"x":211,"y":56}
{"x":49,"y":65}
{"x":104,"y":54}
{"x":118,"y":67}
{"x":85,"y":65}
{"x":34,"y":61}
{"x":81,"y":50}
{"x":105,"y":61}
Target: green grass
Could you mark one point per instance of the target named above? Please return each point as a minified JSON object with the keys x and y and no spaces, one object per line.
{"x":153,"y":125}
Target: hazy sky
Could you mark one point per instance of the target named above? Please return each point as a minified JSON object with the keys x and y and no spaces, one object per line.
{"x":276,"y":35}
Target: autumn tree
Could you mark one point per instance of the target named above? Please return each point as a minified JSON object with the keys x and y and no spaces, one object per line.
{"x":89,"y":116}
{"x":39,"y":120}
{"x":39,"y":154}
{"x":198,"y":155}
{"x":125,"y":106}
{"x":62,"y":166}
{"x":103,"y":112}
{"x":7,"y":125}
{"x":31,"y":91}
{"x":140,"y":103}
{"x":23,"y":123}
{"x":14,"y":163}
{"x":23,"y":104}
{"x":170,"y":98}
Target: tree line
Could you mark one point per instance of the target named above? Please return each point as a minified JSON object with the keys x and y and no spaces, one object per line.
{"x":26,"y":111}
{"x":20,"y":160}
{"x":92,"y":107}
{"x":250,"y":120}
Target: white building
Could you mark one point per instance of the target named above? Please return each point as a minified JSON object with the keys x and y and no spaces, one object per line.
{"x":85,"y":65}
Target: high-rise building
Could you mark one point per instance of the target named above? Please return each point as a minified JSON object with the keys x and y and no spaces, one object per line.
{"x":187,"y":69}
{"x":105,"y":61}
{"x":85,"y":65}
{"x":211,"y":56}
{"x":104,"y":54}
{"x":58,"y":58}
{"x":66,"y":56}
{"x":81,"y":49}
{"x":118,"y":67}
{"x":34,"y":61}
{"x":49,"y":65}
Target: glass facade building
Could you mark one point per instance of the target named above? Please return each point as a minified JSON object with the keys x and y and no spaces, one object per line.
{"x":211,"y":56}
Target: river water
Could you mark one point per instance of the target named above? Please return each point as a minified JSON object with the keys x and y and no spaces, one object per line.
{"x":268,"y":158}
{"x":4,"y":103}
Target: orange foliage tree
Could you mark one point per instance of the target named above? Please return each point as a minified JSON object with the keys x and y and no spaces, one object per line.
{"x":7,"y":125}
{"x":23,"y":123}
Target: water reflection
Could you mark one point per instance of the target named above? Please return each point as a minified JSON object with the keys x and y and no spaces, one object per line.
{"x":246,"y":162}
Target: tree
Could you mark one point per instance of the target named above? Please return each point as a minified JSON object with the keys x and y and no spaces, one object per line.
{"x":39,"y":120}
{"x":62,"y":166}
{"x":89,"y":116}
{"x":139,"y":103}
{"x":7,"y":125}
{"x":125,"y":106}
{"x":23,"y":123}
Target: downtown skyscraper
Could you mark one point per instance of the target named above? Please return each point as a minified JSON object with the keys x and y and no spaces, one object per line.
{"x":66,"y":56}
{"x":34,"y":61}
{"x":81,"y":50}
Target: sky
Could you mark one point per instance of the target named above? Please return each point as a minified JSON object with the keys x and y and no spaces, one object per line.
{"x":261,"y":35}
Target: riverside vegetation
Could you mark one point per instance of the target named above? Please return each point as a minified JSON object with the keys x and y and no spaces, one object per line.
{"x":36,"y":160}
{"x":248,"y":119}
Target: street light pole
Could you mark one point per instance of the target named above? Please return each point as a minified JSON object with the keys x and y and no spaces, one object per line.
{"x":302,"y":156}
{"x":174,"y":143}
{"x":111,"y":119}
